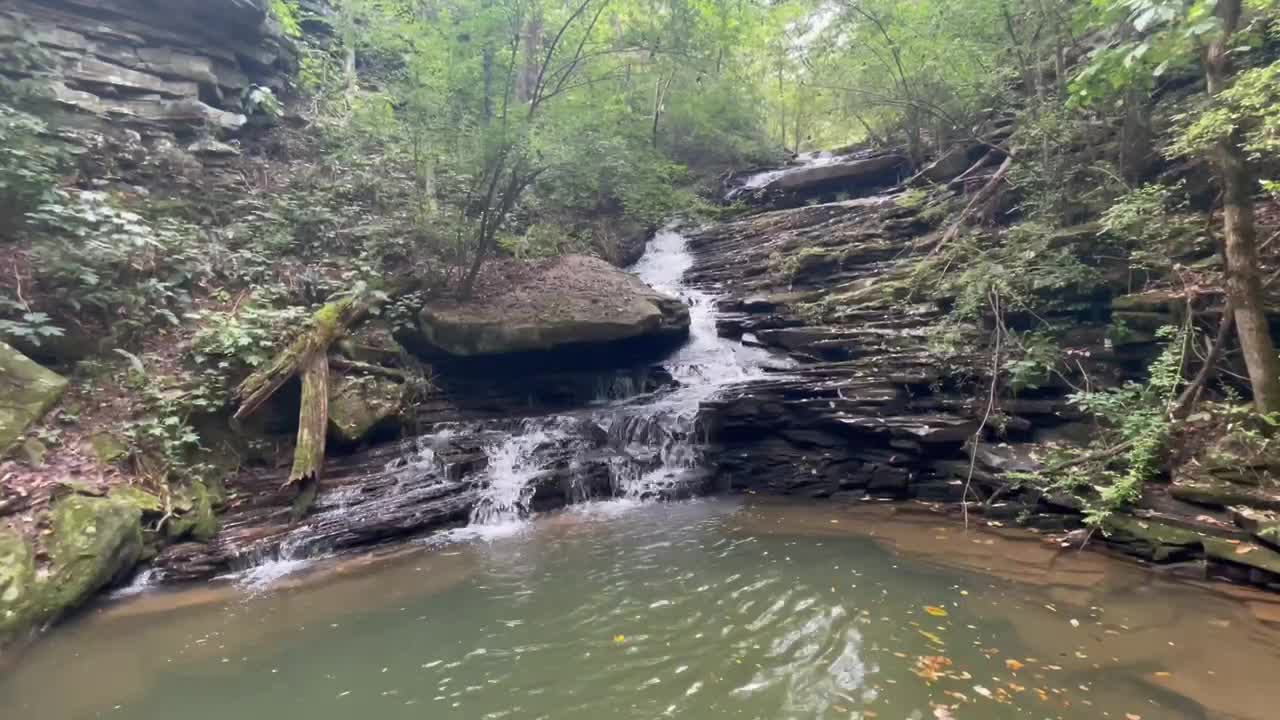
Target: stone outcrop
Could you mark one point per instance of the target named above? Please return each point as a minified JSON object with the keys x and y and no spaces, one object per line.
{"x":93,"y":542}
{"x":362,"y":404}
{"x":564,"y":303}
{"x":166,"y":72}
{"x":27,"y":392}
{"x":874,"y":410}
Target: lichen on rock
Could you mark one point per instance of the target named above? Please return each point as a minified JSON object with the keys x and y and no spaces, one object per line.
{"x":27,"y":392}
{"x":359,"y":405}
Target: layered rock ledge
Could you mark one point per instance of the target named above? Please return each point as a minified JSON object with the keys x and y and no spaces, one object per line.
{"x":573,"y":302}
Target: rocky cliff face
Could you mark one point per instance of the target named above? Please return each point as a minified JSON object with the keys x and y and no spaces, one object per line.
{"x":874,"y":409}
{"x":157,"y":74}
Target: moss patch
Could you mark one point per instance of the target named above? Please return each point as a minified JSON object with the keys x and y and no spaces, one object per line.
{"x":27,"y":392}
{"x":94,"y":541}
{"x":357,"y":405}
{"x":1156,"y":541}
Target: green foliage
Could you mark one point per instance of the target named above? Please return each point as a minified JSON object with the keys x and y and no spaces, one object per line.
{"x":19,"y":321}
{"x":1026,"y":268}
{"x":1058,"y":182}
{"x":1135,"y":415}
{"x":289,"y":15}
{"x":258,"y":101}
{"x":241,"y":339}
{"x":1154,"y":224}
{"x":91,"y":253}
{"x":1168,"y":35}
{"x":30,"y":163}
{"x":1248,"y":107}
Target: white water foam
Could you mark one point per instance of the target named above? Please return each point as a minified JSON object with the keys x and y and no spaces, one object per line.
{"x":803,"y":161}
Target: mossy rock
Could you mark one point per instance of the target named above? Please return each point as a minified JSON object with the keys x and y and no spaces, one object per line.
{"x":108,"y":448}
{"x":1155,"y":541}
{"x":195,"y":518}
{"x":147,"y":503}
{"x":27,"y":392}
{"x":1246,"y":554}
{"x":358,"y":405}
{"x":372,"y":343}
{"x":31,"y":452}
{"x":94,"y":542}
{"x":17,"y":581}
{"x":1214,"y":492}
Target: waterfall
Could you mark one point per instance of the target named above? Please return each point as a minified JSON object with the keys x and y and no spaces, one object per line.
{"x":652,"y":440}
{"x":631,"y":440}
{"x":514,"y":464}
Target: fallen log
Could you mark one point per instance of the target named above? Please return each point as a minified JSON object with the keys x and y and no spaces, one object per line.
{"x":327,"y":325}
{"x":313,"y":425}
{"x":308,"y":357}
{"x":983,"y":196}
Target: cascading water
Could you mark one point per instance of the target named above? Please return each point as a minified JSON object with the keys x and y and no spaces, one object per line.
{"x":631,"y":442}
{"x":653,"y":437}
{"x":513,"y":466}
{"x":803,"y":161}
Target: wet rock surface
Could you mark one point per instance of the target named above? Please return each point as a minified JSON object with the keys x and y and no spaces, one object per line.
{"x":874,"y":411}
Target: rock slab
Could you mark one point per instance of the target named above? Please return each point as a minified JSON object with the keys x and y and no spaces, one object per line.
{"x":568,"y":301}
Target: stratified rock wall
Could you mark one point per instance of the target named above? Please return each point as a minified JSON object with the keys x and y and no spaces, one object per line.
{"x":167,"y":70}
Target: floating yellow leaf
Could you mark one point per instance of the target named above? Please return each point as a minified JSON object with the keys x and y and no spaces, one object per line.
{"x":935,"y":611}
{"x":1162,"y":674}
{"x":931,"y":636}
{"x":619,"y":639}
{"x":1013,"y":665}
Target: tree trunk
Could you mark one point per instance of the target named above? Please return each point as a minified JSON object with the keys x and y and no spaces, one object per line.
{"x":1135,"y":136}
{"x":1244,"y":285}
{"x":313,"y":425}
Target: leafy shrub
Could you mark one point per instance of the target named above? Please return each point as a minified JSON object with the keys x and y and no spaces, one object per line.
{"x":29,"y":168}
{"x":245,"y":337}
{"x":91,"y":253}
{"x":1153,"y":223}
{"x":24,"y":323}
{"x":1136,"y":416}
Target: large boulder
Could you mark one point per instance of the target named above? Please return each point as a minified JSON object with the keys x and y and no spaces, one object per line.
{"x":27,"y":392}
{"x":566,"y":302}
{"x":93,"y":542}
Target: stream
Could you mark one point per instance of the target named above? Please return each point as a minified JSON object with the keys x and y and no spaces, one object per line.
{"x":697,"y":609}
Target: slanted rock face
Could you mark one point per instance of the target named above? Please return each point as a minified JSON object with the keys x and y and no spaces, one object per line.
{"x":27,"y":391}
{"x":568,"y":301}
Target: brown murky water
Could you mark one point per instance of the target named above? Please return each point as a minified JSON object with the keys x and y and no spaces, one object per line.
{"x":704,"y":609}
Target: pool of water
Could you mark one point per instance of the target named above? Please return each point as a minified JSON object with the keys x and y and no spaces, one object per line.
{"x":703,"y":609}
